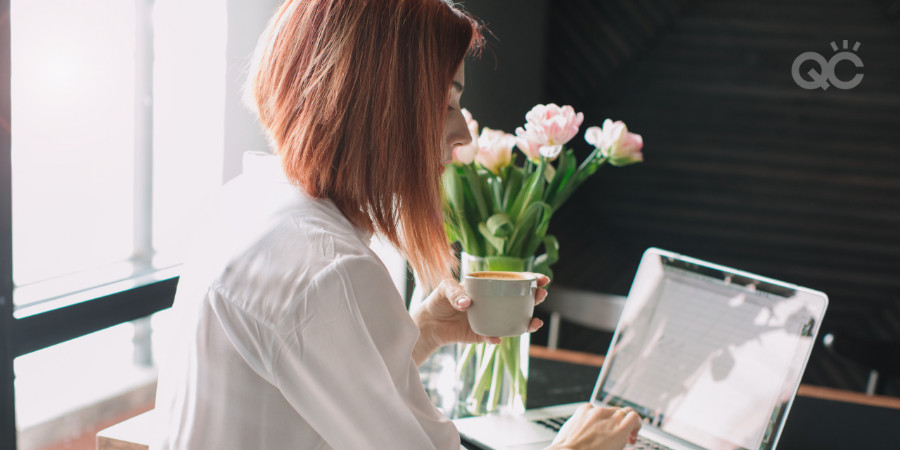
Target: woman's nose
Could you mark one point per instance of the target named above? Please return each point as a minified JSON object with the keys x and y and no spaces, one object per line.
{"x":459,"y":131}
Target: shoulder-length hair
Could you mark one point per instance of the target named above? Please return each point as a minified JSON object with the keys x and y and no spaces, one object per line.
{"x":354,"y":96}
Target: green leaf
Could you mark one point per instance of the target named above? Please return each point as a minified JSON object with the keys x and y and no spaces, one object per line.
{"x":495,"y":184}
{"x":483,"y":376}
{"x":564,"y":172}
{"x":551,"y":251}
{"x":534,"y":189}
{"x":540,"y":230}
{"x":496,"y":378}
{"x":453,"y":189}
{"x":460,"y":219}
{"x":595,"y":156}
{"x":467,"y":355}
{"x":512,"y":188}
{"x":526,"y":227}
{"x":469,"y":241}
{"x":499,"y":244}
{"x":499,"y":225}
{"x":549,"y":172}
{"x":471,"y":215}
{"x":589,"y":169}
{"x":450,"y":228}
{"x":551,"y":254}
{"x":478,"y":194}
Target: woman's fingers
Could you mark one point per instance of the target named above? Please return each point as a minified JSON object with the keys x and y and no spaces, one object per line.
{"x":540,"y":296}
{"x":631,"y":424}
{"x":603,"y":412}
{"x":542,"y":280}
{"x":535,"y":324}
{"x":456,"y":295}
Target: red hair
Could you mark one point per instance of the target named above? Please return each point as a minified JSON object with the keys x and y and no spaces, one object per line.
{"x":354,"y":95}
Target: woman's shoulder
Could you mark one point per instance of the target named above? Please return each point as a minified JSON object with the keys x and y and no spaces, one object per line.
{"x":304,"y":247}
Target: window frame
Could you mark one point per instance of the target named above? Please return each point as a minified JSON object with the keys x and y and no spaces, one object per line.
{"x":41,"y":330}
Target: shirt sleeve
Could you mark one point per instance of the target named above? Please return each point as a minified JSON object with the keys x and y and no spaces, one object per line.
{"x":347,"y":368}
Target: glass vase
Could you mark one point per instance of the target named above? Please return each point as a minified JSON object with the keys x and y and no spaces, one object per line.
{"x":493,"y":378}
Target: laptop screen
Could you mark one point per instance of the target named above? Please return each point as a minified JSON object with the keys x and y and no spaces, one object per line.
{"x":708,"y":354}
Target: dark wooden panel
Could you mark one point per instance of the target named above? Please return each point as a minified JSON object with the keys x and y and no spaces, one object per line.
{"x":743,"y":167}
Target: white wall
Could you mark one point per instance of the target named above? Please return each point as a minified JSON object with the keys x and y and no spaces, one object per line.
{"x":246,"y":21}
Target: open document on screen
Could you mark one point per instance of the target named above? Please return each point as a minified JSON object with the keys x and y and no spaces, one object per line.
{"x":706,"y":359}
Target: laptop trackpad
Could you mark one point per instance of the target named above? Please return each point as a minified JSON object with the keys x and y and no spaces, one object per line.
{"x":503,"y":431}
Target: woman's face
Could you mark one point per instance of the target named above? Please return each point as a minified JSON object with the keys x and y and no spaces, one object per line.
{"x":456,"y":132}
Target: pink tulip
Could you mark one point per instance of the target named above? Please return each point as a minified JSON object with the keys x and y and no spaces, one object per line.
{"x":550,"y":151}
{"x":530,"y":147}
{"x":547,"y":129}
{"x":616,"y":143}
{"x":465,"y":154}
{"x":495,"y":149}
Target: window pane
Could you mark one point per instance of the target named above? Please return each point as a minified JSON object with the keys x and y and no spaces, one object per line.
{"x":72,"y":138}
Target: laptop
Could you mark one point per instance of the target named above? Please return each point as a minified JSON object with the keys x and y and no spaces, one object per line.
{"x":710,"y":357}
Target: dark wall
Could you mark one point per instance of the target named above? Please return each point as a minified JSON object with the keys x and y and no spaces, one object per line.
{"x":508,"y":79}
{"x":743,"y":167}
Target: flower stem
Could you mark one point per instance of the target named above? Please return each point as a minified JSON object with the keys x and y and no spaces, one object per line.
{"x":496,"y":380}
{"x":589,"y":160}
{"x":482,"y":381}
{"x":466,"y":357}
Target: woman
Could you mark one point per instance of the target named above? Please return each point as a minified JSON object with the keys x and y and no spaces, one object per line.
{"x":290,"y":332}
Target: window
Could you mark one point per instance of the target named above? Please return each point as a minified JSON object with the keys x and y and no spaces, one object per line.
{"x":117,"y":135}
{"x":103,"y":180}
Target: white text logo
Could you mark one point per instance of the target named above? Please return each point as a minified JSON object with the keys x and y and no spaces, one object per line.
{"x":826,"y":77}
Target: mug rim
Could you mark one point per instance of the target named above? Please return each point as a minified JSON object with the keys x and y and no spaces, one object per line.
{"x":526,"y":276}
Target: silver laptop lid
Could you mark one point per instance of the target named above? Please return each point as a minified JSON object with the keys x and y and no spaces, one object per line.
{"x":710,"y":354}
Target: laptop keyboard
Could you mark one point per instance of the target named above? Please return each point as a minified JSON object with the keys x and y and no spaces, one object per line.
{"x":555,"y":423}
{"x":644,"y":443}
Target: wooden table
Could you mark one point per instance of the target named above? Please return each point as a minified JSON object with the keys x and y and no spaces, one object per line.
{"x":132,"y":434}
{"x":858,"y":418}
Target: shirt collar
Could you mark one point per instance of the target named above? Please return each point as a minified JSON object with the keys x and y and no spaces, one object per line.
{"x":268,"y":166}
{"x":262,"y":164}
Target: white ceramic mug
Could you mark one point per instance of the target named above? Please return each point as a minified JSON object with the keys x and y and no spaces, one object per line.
{"x":502,"y":302}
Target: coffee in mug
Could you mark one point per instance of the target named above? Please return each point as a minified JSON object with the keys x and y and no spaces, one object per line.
{"x":502,"y":275}
{"x":502,"y":302}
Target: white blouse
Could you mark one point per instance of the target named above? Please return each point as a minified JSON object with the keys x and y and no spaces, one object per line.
{"x":290,"y":333}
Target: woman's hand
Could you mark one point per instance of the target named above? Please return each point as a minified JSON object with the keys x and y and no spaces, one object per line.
{"x":442,"y":318}
{"x":598,"y":428}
